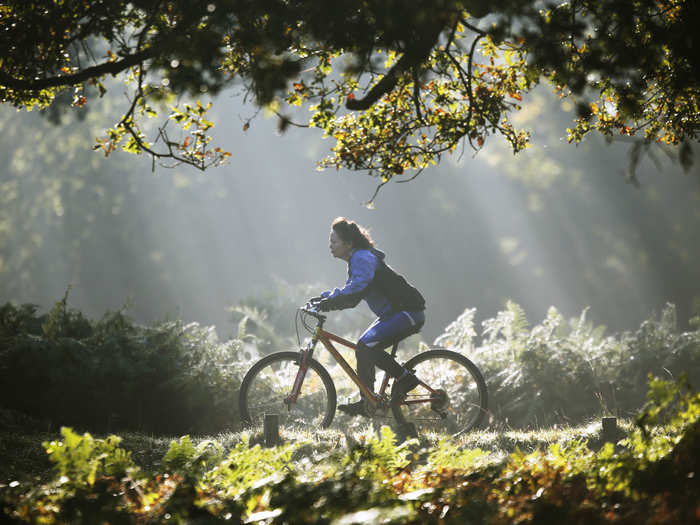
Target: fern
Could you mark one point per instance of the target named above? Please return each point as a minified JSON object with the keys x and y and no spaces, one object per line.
{"x":650,"y":477}
{"x":562,"y":370}
{"x":112,"y":373}
{"x":244,"y":466}
{"x":448,"y":454}
{"x":510,"y":324}
{"x":79,"y":460}
{"x":386,"y":453}
{"x":519,"y":324}
{"x":183,"y":457}
{"x":460,"y":333}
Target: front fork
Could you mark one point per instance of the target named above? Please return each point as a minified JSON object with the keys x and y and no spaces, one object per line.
{"x":305,"y":355}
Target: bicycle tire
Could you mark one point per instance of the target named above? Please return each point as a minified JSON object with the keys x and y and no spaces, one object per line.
{"x":270,"y":380}
{"x":465,"y":400}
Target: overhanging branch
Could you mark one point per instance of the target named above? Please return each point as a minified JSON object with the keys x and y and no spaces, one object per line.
{"x":385,"y":85}
{"x":410,"y":60}
{"x":108,"y":68}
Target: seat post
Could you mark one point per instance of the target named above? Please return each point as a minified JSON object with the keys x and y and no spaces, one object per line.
{"x":394,"y":349}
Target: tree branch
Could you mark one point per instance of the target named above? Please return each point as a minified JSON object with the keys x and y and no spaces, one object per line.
{"x":127,"y":121}
{"x":416,"y":95}
{"x":21,"y":84}
{"x":410,"y":59}
{"x":385,"y":85}
{"x":467,"y":82}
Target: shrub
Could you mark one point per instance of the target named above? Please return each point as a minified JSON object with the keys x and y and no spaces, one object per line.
{"x":567,"y":371}
{"x":114,"y":374}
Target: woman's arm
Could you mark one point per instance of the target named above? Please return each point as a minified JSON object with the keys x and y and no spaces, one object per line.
{"x":362,"y":266}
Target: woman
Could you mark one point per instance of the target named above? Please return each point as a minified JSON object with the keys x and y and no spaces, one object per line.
{"x":399,"y":307}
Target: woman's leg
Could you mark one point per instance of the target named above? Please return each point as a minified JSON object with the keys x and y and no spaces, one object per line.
{"x":370,"y":351}
{"x":381,"y":334}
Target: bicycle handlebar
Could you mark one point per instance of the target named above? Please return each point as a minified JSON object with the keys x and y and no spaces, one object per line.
{"x":313,"y":311}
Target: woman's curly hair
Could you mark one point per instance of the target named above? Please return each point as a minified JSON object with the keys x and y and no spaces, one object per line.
{"x":353,"y":233}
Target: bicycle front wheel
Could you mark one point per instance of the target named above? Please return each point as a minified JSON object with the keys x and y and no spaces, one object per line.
{"x":458,"y":400}
{"x":266,"y":387}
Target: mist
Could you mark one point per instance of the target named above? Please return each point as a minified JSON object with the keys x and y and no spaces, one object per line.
{"x":555,"y":225}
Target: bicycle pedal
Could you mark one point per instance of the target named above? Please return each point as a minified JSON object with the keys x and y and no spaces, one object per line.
{"x":380,"y":410}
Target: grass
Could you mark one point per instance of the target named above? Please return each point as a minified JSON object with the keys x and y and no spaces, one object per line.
{"x":24,"y":459}
{"x":324,"y":475}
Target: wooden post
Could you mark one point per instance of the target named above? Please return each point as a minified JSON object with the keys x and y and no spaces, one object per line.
{"x":609,"y":433}
{"x":271,"y":428}
{"x":408,"y":430}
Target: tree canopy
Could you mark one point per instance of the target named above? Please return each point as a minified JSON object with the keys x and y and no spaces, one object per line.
{"x":395,"y":83}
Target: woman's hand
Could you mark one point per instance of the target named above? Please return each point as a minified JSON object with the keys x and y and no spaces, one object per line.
{"x":324,"y":305}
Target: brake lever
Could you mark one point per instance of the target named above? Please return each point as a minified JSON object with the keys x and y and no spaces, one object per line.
{"x":310,"y":308}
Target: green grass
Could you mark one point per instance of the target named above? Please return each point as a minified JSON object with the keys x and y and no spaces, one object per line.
{"x":24,"y":459}
{"x":500,"y":476}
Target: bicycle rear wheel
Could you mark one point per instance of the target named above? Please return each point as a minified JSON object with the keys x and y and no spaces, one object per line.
{"x":459,"y":402}
{"x":267,"y":384}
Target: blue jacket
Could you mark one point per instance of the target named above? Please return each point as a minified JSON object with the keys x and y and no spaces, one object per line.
{"x":371,"y":279}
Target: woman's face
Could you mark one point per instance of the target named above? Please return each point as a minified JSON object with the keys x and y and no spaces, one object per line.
{"x":340,"y":248}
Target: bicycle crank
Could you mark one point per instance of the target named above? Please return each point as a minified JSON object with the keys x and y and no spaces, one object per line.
{"x":440,"y":403}
{"x":378,"y":410}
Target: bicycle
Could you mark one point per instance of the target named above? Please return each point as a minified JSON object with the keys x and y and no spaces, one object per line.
{"x":451,"y":396}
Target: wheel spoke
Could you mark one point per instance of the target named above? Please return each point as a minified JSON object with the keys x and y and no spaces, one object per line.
{"x":459,"y":394}
{"x":269,"y":383}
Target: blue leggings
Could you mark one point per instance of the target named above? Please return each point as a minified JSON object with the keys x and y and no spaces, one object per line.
{"x":381,"y":334}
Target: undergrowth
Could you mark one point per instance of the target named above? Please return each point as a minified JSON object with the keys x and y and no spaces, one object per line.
{"x":568,"y":370}
{"x":648,"y":477}
{"x":112,"y":374}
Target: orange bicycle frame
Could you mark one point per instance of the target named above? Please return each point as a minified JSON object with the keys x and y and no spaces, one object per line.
{"x":327,"y":338}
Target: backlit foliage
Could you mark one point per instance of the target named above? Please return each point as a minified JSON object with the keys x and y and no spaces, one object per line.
{"x":395,"y":84}
{"x":567,"y":370}
{"x":649,"y":477}
{"x":174,"y":377}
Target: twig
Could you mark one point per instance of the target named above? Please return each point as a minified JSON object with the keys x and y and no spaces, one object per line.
{"x":416,"y":96}
{"x":478,"y":31}
{"x":287,"y":121}
{"x":411,"y":178}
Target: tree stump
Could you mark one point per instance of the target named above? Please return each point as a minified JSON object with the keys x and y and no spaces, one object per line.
{"x":609,"y":433}
{"x":271,"y":430}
